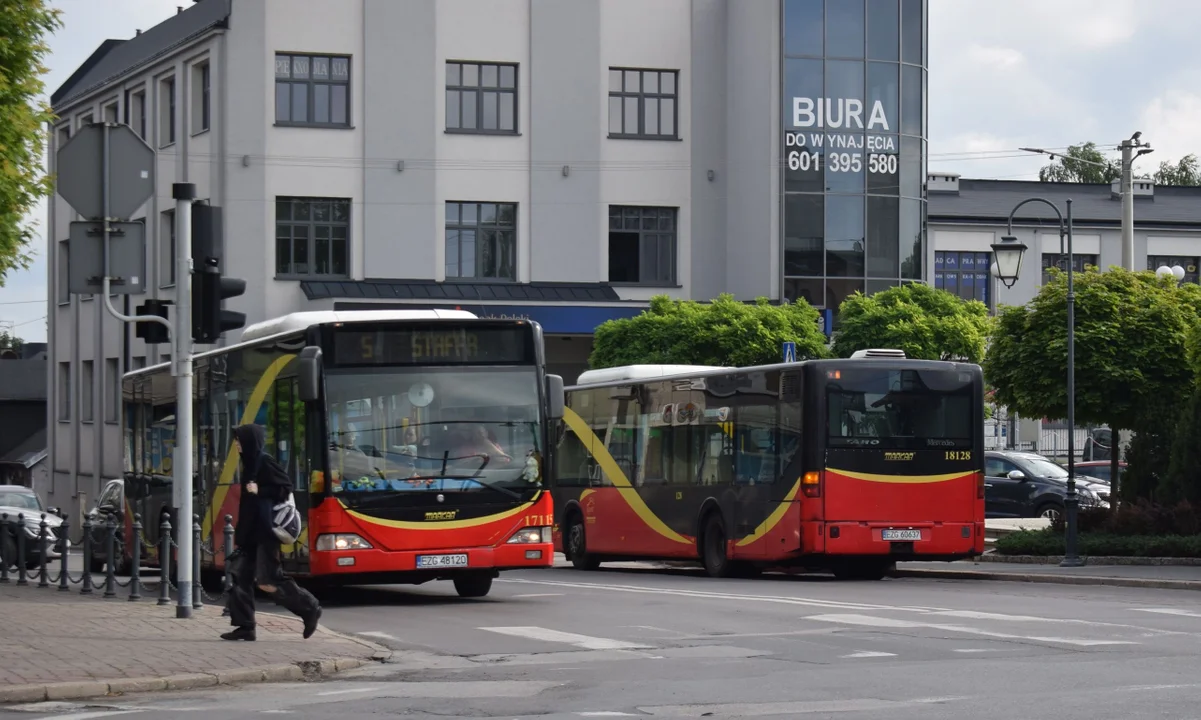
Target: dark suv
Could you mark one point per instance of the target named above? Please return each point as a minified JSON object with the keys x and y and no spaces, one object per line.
{"x":1024,"y":484}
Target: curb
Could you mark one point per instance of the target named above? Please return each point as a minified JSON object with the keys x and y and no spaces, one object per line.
{"x":1046,"y":578}
{"x":304,"y":670}
{"x":1094,"y":559}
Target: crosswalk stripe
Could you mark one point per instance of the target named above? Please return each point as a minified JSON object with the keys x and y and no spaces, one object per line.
{"x":586,"y":642}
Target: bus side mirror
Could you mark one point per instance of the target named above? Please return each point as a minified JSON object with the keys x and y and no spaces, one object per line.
{"x":309,"y":375}
{"x":554,"y":397}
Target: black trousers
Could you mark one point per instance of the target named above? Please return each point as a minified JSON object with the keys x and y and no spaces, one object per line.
{"x":260,"y":565}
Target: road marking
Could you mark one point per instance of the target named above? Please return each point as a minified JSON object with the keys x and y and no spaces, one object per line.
{"x":798,"y":707}
{"x":89,"y":715}
{"x":376,"y":634}
{"x":1170,"y":611}
{"x":530,"y":595}
{"x":976,"y":650}
{"x":581,"y":641}
{"x":869,"y":654}
{"x":871,"y":621}
{"x":345,"y":692}
{"x":606,"y":713}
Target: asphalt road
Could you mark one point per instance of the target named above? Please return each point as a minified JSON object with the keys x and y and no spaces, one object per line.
{"x":565,"y":644}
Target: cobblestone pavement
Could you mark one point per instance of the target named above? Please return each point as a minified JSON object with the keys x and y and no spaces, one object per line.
{"x":54,"y":637}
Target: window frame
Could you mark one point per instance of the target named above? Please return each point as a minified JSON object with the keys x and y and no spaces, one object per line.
{"x":310,"y":95}
{"x":63,"y":274}
{"x":479,"y":228}
{"x":312,"y":225}
{"x":1184,"y":260}
{"x":112,"y":391}
{"x":674,"y":279}
{"x":480,"y":90}
{"x":87,"y":391}
{"x":1086,"y":260}
{"x":641,"y":97}
{"x":168,"y":249}
{"x":170,"y":88}
{"x":65,"y":386}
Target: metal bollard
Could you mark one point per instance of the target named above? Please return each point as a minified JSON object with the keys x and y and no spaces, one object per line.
{"x":229,"y":550}
{"x":22,"y":576}
{"x":197,"y":601}
{"x":44,"y":545}
{"x":4,"y":535}
{"x":87,"y":556}
{"x":110,"y":561}
{"x":64,"y":579}
{"x":164,"y":562}
{"x":135,"y":578}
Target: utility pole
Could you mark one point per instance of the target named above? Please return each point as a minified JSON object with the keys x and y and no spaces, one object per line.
{"x":1128,"y":156}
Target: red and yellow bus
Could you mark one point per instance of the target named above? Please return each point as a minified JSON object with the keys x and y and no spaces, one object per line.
{"x":416,"y":439}
{"x":837,"y":465}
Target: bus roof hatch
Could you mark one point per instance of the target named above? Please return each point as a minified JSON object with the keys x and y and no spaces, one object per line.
{"x":638,"y":372}
{"x":879,"y":353}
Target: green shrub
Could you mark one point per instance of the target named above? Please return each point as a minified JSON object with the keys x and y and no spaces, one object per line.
{"x":1136,"y":519}
{"x":1050,"y":542}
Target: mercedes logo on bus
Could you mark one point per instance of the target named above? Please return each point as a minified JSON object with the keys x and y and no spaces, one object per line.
{"x":441,"y":497}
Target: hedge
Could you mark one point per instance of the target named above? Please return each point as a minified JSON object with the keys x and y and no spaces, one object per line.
{"x":1051,"y":542}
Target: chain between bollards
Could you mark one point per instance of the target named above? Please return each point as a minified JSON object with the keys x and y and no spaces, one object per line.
{"x":110,"y":560}
{"x":135,"y":579}
{"x":197,"y":601}
{"x":5,"y":535}
{"x":22,"y":575}
{"x":64,"y":578}
{"x":43,"y":545}
{"x":87,"y":555}
{"x":164,"y":561}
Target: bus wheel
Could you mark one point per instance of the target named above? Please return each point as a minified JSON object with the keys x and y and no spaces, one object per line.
{"x":576,"y":545}
{"x":717,"y":563}
{"x":475,"y":585}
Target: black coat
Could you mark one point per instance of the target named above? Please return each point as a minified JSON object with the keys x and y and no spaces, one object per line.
{"x":274,"y":485}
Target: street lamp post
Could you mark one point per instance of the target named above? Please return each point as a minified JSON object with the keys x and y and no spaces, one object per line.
{"x":1008,"y":262}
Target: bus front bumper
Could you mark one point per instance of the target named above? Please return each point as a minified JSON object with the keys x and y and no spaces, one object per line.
{"x":432,"y":562}
{"x":904,"y":540}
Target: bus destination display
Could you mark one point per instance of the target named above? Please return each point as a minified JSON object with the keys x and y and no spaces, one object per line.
{"x":435,"y":346}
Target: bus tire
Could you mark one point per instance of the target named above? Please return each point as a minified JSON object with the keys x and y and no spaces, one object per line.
{"x":474,"y":585}
{"x":575,"y":543}
{"x":713,"y":548}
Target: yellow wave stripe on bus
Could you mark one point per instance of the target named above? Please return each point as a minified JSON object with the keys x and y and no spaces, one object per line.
{"x":445,"y":524}
{"x":901,"y":479}
{"x":774,"y":519}
{"x":613,"y":471}
{"x":261,"y":388}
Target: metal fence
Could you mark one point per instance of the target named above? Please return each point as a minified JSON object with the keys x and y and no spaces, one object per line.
{"x":26,"y":542}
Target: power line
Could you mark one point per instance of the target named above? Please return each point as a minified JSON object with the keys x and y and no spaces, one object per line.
{"x":23,"y":302}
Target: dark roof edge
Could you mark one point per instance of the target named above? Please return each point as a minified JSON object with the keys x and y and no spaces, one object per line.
{"x":97,"y":55}
{"x":932,"y":218}
{"x":222,"y":24}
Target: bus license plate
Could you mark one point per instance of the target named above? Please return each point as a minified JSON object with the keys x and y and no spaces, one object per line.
{"x":902,"y":534}
{"x":441,"y":561}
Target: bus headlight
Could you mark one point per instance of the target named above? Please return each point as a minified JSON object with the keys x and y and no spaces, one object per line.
{"x":328,"y":543}
{"x":531,"y":535}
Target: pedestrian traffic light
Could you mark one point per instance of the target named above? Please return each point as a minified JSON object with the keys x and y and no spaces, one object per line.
{"x":210,"y":289}
{"x":152,"y":333}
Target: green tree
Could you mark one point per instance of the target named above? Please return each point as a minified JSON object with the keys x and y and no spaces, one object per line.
{"x":1131,"y":331}
{"x":1083,"y":164}
{"x":927,"y":324}
{"x":1184,"y":172}
{"x":723,"y":332}
{"x":24,"y":27}
{"x":10,"y":342}
{"x":1182,"y":481}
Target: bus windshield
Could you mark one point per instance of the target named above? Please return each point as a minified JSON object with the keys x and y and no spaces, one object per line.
{"x":879,"y":407}
{"x":433,"y":429}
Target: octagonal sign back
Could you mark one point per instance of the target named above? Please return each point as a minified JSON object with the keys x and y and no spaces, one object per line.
{"x":129,"y":175}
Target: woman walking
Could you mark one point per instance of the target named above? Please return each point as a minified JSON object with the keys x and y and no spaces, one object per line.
{"x":264,"y":483}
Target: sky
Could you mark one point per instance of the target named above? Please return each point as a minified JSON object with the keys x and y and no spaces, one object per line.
{"x":1003,"y":75}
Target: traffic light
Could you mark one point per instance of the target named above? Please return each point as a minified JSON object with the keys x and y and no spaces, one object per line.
{"x":151,"y":332}
{"x":210,"y":289}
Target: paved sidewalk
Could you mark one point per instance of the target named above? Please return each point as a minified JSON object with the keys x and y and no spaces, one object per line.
{"x":1180,"y":577}
{"x":60,"y":645}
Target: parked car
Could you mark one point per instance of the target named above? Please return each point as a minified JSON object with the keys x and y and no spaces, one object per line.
{"x":110,"y":504}
{"x":16,"y":500}
{"x":1025,"y":484}
{"x":1100,"y":469}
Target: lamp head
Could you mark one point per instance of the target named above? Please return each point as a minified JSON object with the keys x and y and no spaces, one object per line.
{"x":1007,"y":259}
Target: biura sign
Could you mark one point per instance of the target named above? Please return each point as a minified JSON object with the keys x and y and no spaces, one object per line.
{"x":841,"y":131}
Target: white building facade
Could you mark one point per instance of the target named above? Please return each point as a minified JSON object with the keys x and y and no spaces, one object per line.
{"x":561,"y":161}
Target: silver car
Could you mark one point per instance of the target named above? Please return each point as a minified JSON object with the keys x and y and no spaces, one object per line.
{"x":15,"y":501}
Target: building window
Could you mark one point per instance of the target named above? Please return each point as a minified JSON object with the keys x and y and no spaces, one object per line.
{"x":963,"y":274}
{"x":166,"y":250}
{"x":112,"y":379}
{"x":643,"y":104}
{"x":87,"y":392}
{"x":167,"y":107}
{"x":64,"y":392}
{"x":201,"y":98}
{"x":110,"y":112}
{"x":1079,"y":263}
{"x":135,"y":112}
{"x":312,"y":90}
{"x":86,"y":120}
{"x":64,"y":134}
{"x":481,"y":98}
{"x":481,"y":240}
{"x":63,"y":291}
{"x":312,"y":237}
{"x":1190,"y":265}
{"x":642,"y":245}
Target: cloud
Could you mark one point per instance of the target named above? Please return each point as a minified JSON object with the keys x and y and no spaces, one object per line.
{"x":1169,"y":123}
{"x":998,"y":57}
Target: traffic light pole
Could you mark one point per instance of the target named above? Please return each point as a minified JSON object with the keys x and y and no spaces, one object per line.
{"x":184,"y":194}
